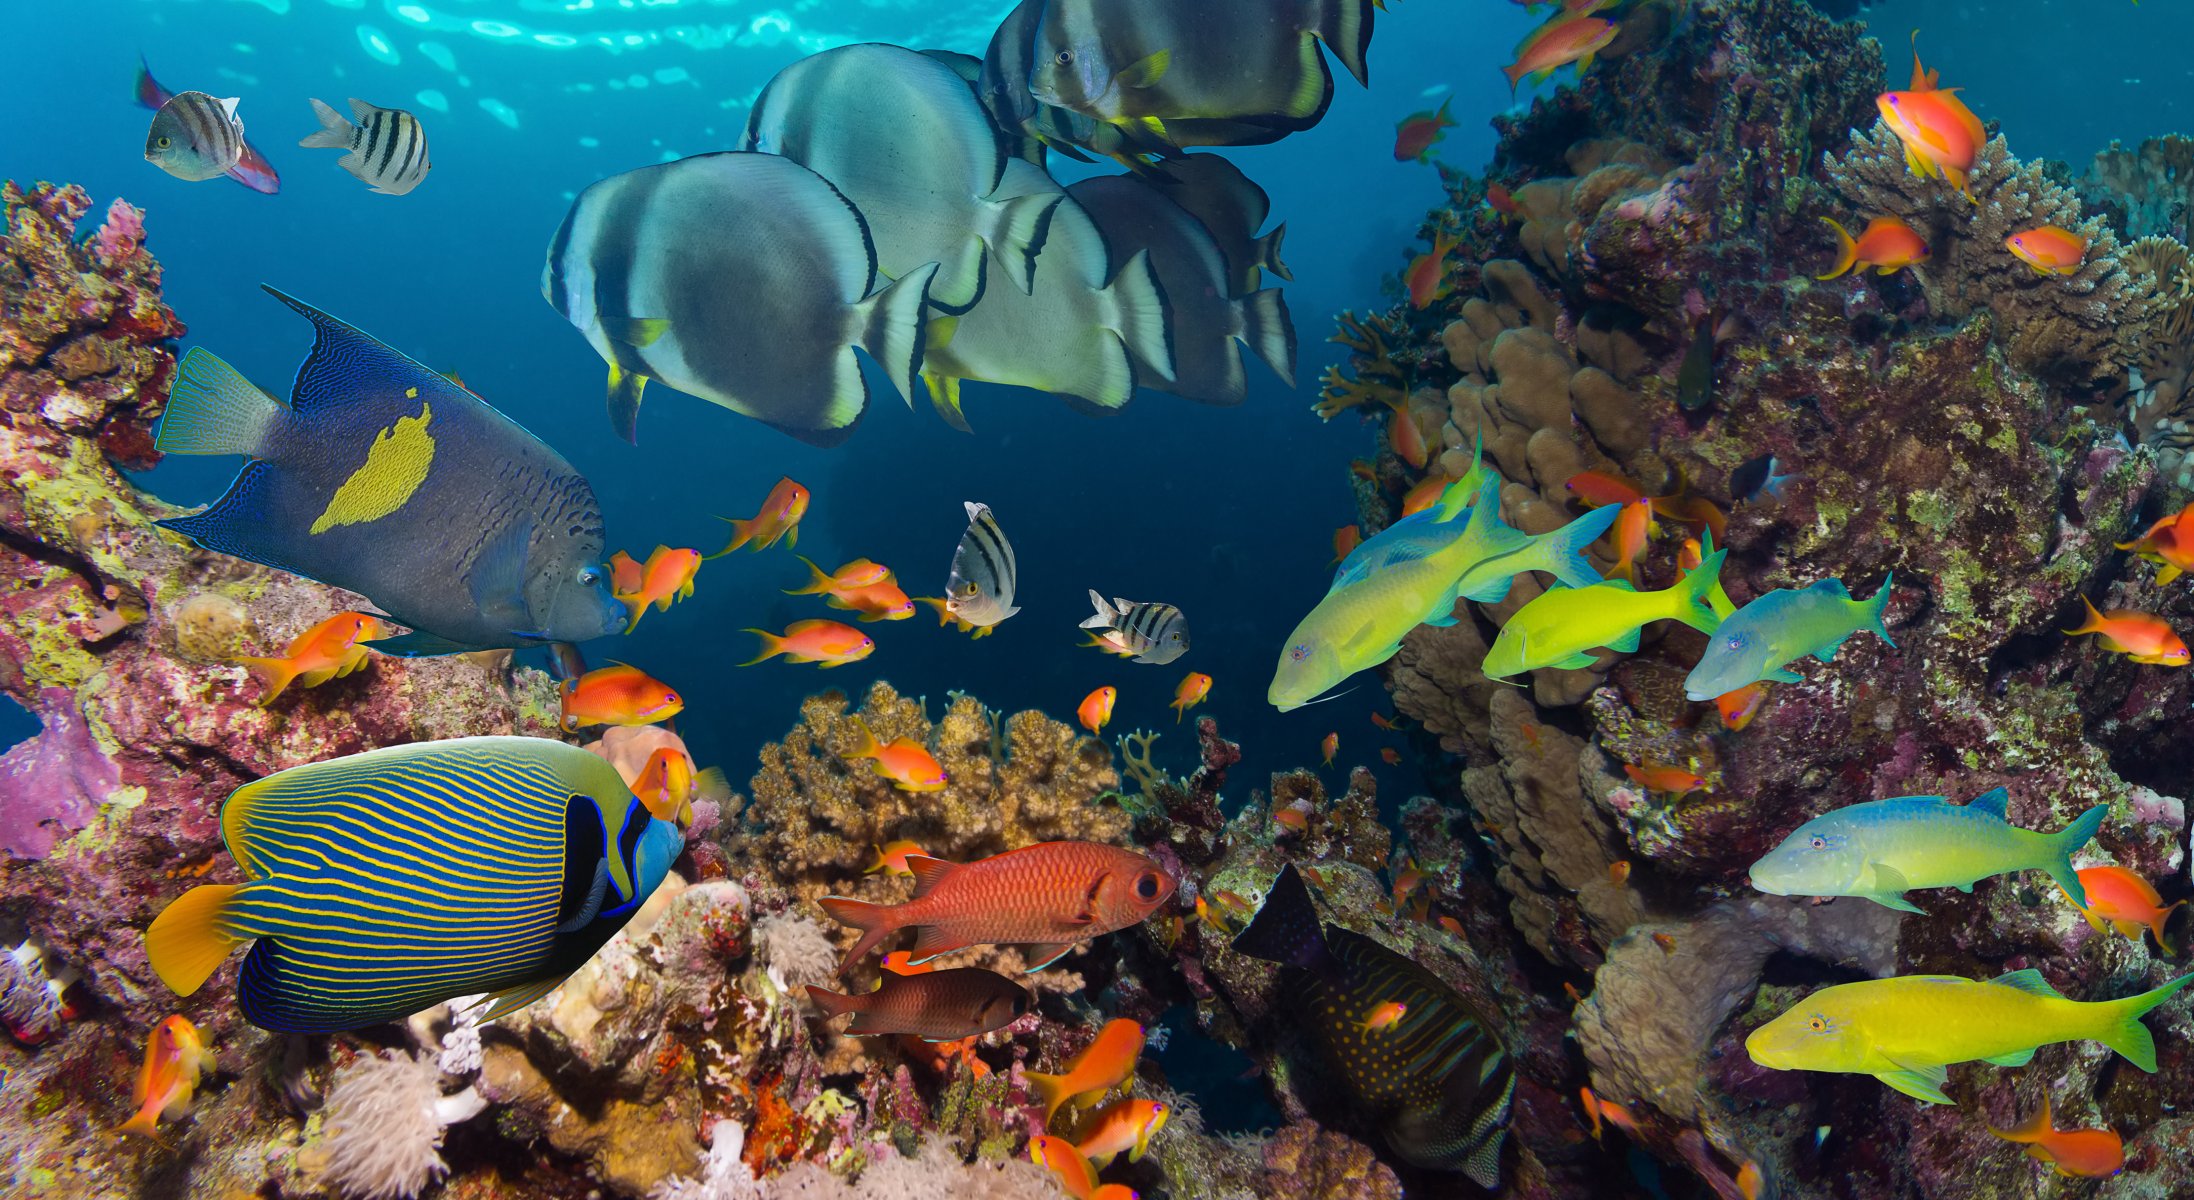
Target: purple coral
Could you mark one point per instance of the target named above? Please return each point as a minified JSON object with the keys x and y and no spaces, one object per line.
{"x":53,"y":784}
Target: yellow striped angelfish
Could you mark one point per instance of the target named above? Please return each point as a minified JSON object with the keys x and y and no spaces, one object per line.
{"x":384,"y":883}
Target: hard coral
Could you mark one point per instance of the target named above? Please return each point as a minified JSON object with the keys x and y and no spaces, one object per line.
{"x":2150,"y":186}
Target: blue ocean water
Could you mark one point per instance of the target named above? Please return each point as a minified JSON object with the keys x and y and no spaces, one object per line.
{"x":1227,"y":513}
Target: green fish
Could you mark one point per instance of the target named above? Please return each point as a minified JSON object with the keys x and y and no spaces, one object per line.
{"x":1758,"y":641}
{"x":387,"y":479}
{"x":1562,"y":627}
{"x":1907,"y":1030}
{"x":382,"y":884}
{"x":1884,"y":848}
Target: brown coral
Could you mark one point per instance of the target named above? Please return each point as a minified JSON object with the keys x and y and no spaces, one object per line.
{"x":2152,"y":184}
{"x":2160,"y":398}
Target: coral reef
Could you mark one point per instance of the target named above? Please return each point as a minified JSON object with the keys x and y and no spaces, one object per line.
{"x":384,"y":1123}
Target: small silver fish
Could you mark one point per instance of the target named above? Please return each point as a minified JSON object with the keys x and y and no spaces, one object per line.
{"x":979,"y":592}
{"x":388,"y":147}
{"x":1144,"y":631}
{"x":195,"y":136}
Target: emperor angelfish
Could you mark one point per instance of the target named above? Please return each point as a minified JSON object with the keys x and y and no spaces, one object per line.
{"x":381,"y":884}
{"x":1156,"y":64}
{"x":744,"y":279}
{"x":388,"y":146}
{"x":385,"y":478}
{"x":909,"y":145}
{"x":979,"y":591}
{"x":1079,"y":333}
{"x":1144,"y":631}
{"x":1205,"y":315}
{"x":1232,"y":208}
{"x":1438,"y":1081}
{"x":195,"y":137}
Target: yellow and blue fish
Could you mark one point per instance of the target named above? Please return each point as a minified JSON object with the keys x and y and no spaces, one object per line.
{"x":1758,"y":641}
{"x":384,"y":883}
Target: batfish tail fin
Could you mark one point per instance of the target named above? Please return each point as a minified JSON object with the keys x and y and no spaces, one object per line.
{"x":894,"y":331}
{"x":2062,"y":845}
{"x":1016,"y":233}
{"x":1140,"y":319}
{"x":1345,"y":27}
{"x":334,"y":131}
{"x":1266,"y":252}
{"x":2121,"y":1027}
{"x":1268,"y":330}
{"x":213,"y":409}
{"x":188,"y":940}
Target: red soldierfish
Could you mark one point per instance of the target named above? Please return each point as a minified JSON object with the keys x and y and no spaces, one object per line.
{"x":940,"y":1006}
{"x":1050,"y":895}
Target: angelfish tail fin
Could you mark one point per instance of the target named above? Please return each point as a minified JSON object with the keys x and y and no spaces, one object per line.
{"x":1141,"y":314}
{"x":1268,"y":252}
{"x":189,"y":939}
{"x":1345,"y":27}
{"x":213,"y":409}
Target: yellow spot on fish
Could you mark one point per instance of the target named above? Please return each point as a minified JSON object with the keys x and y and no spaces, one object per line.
{"x":411,"y":393}
{"x":396,"y":464}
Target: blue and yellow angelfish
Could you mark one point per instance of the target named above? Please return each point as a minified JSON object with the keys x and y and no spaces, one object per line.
{"x":384,"y":883}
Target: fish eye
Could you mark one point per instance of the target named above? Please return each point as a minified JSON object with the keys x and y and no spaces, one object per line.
{"x":1063,"y":57}
{"x":1818,"y":1023}
{"x":1147,"y":886}
{"x":1735,"y":641}
{"x":1299,"y":651}
{"x":1819,"y":842}
{"x":165,"y":143}
{"x":588,"y":576}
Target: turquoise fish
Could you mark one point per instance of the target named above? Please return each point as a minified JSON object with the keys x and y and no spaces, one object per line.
{"x":382,"y":884}
{"x":1883,"y":848}
{"x":1564,"y":626}
{"x":1757,"y":640}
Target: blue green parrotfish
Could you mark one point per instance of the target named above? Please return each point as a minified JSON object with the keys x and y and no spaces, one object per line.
{"x":385,"y":478}
{"x":1883,"y":848}
{"x":1756,"y":641}
{"x":385,"y":883}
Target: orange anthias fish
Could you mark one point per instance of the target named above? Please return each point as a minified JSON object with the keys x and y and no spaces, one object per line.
{"x":1689,"y":555}
{"x":860,"y":586}
{"x":901,"y":962}
{"x":176,"y":1058}
{"x":328,"y":650}
{"x":1426,"y":277}
{"x":1108,"y":1062}
{"x":1501,"y":200}
{"x":1385,"y":1016}
{"x":1407,"y":436}
{"x":1565,"y":39}
{"x":2126,"y":902}
{"x":667,"y":784}
{"x":1941,"y":135}
{"x":625,"y":574}
{"x":1345,"y":541}
{"x":1056,"y":1154}
{"x":1424,"y":495}
{"x":668,"y":576}
{"x":2082,"y":1153}
{"x":1615,"y":1114}
{"x":1596,"y":488}
{"x":904,"y":762}
{"x":891,"y":859}
{"x":1095,"y":711}
{"x":1330,"y":746}
{"x":2168,"y":543}
{"x":825,"y":642}
{"x":1052,"y":895}
{"x":1125,"y":1127}
{"x":1739,"y":707}
{"x":1390,"y":756}
{"x":2142,"y":637}
{"x":1618,"y":872}
{"x":1749,"y":1181}
{"x":1417,"y":133}
{"x":616,"y":695}
{"x":1632,"y":527}
{"x":1674,"y":781}
{"x":1291,"y":817}
{"x":1888,"y":245}
{"x":779,"y":518}
{"x":1390,"y":724}
{"x":2048,"y":249}
{"x":1407,"y":880}
{"x":1190,"y":694}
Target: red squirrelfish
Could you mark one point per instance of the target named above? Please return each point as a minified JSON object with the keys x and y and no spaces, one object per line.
{"x":1345,"y":541}
{"x":328,"y":650}
{"x":891,"y":859}
{"x":1190,"y":694}
{"x":1125,"y":1127}
{"x":1888,"y":245}
{"x":2124,"y":901}
{"x":1330,"y":746}
{"x":617,"y":695}
{"x":1565,"y":39}
{"x":1051,"y":895}
{"x":2142,"y":637}
{"x":1095,"y":711}
{"x":1426,"y":278}
{"x":667,"y":576}
{"x":176,"y":1058}
{"x":1407,"y":436}
{"x":940,"y":1006}
{"x":1108,"y":1062}
{"x":2083,"y":1153}
{"x":859,"y":586}
{"x":2048,"y":249}
{"x":825,"y":642}
{"x":1941,"y":135}
{"x":1739,"y":707}
{"x":904,"y":761}
{"x":2168,"y":543}
{"x":1418,"y":132}
{"x":779,"y":518}
{"x":1673,"y":781}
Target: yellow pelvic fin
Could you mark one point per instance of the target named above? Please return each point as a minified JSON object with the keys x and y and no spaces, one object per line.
{"x":396,"y":464}
{"x":1145,"y":71}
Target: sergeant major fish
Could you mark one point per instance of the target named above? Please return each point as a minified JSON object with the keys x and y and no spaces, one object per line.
{"x":388,"y":146}
{"x":195,"y":137}
{"x":1142,"y":631}
{"x":252,"y":168}
{"x":979,"y":589}
{"x":384,"y":478}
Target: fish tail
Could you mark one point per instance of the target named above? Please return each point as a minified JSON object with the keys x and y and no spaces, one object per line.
{"x":1050,"y":1090}
{"x":1565,"y":550}
{"x":213,"y":409}
{"x":894,"y":336}
{"x":2122,"y":1030}
{"x":1017,"y":230}
{"x":868,"y":746}
{"x":144,"y":1123}
{"x":1141,"y":319}
{"x":1106,"y":615}
{"x":836,"y":1004}
{"x":2033,"y":1129}
{"x":2161,"y":926}
{"x":188,"y":940}
{"x":873,"y":920}
{"x":1286,"y":929}
{"x":1695,"y":605}
{"x":1267,"y":329}
{"x":274,"y":673}
{"x":2064,"y":843}
{"x":1847,"y":250}
{"x":1876,"y":606}
{"x":772,"y":646}
{"x":149,"y":92}
{"x":1267,"y":252}
{"x":742,"y":532}
{"x":334,"y":131}
{"x":2092,"y":624}
{"x":819,"y":580}
{"x":636,"y":606}
{"x":1345,"y":27}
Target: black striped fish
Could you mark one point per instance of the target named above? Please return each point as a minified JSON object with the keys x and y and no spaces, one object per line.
{"x":1145,"y":631}
{"x":195,"y":136}
{"x":979,"y":591}
{"x":387,"y":882}
{"x":388,"y":147}
{"x":1437,"y":1080}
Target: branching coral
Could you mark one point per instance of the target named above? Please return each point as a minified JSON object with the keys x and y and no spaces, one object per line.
{"x":1379,"y":380}
{"x":2082,"y":329}
{"x":2160,"y":400}
{"x":2152,"y":184}
{"x":385,"y":1117}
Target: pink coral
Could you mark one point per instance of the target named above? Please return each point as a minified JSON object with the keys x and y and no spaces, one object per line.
{"x":122,"y":236}
{"x":53,"y":784}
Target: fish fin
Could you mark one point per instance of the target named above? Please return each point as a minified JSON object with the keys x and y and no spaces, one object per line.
{"x":1626,"y":644}
{"x":1043,"y":954}
{"x":638,"y":332}
{"x":418,"y":644}
{"x":742,"y":532}
{"x":1050,"y":1091}
{"x":893,"y":336}
{"x":213,"y":409}
{"x":931,"y":941}
{"x":2029,"y":981}
{"x":187,"y":941}
{"x":928,"y":872}
{"x":625,"y":388}
{"x":348,"y":366}
{"x":1105,"y":614}
{"x":1696,"y":610}
{"x":591,"y":906}
{"x":1286,"y":929}
{"x":148,"y":90}
{"x":1875,"y":606}
{"x":360,"y":110}
{"x":1146,"y":71}
{"x":1444,"y":618}
{"x":1016,"y":234}
{"x":334,"y":131}
{"x":1269,"y":331}
{"x":873,"y":920}
{"x":1847,"y":250}
{"x":2017,"y":1058}
{"x":944,"y":397}
{"x":2066,"y":842}
{"x":499,"y":577}
{"x":1783,"y":675}
{"x":1491,"y":592}
{"x":1996,"y":802}
{"x":2122,"y":1029}
{"x":274,"y":675}
{"x":1920,"y":1083}
{"x":1139,"y":320}
{"x":1889,"y":880}
{"x":1564,"y":557}
{"x":511,"y":999}
{"x":836,"y":1004}
{"x":1265,"y":252}
{"x":1894,"y":900}
{"x":1577,"y":662}
{"x":1827,"y":652}
{"x":2166,"y":573}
